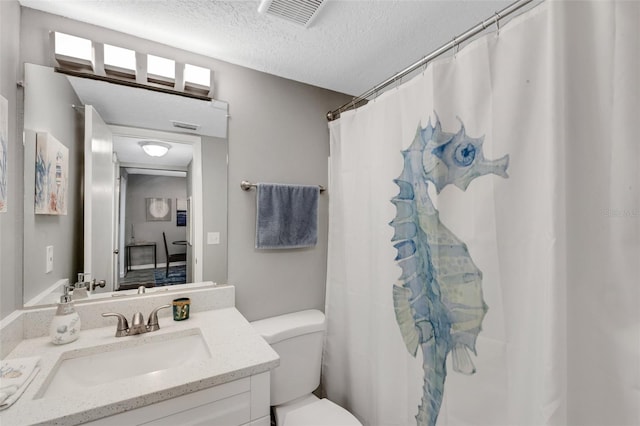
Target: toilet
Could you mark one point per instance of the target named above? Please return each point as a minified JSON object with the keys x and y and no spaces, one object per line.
{"x":298,"y":338}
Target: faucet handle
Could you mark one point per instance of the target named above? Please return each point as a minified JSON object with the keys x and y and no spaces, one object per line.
{"x":152,"y":322}
{"x":123,"y":324}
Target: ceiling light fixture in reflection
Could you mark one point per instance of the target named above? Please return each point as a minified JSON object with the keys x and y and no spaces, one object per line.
{"x":155,"y":149}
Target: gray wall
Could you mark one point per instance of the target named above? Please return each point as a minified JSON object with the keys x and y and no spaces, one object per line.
{"x":214,"y":187}
{"x":140,"y":187}
{"x":11,"y":221}
{"x":277,"y":133}
{"x":48,"y":100}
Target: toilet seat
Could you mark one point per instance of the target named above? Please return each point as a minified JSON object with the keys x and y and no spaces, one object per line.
{"x":320,"y":413}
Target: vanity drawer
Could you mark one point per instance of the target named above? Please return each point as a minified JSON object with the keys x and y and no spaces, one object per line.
{"x":228,"y":404}
{"x":229,"y":411}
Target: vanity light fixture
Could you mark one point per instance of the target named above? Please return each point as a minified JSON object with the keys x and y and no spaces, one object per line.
{"x":197,"y":77}
{"x":119,"y":61}
{"x":82,"y":57}
{"x":161,"y":70}
{"x":72,"y":52}
{"x":155,"y":149}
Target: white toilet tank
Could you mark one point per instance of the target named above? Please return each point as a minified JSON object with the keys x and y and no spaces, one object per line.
{"x":298,"y":338}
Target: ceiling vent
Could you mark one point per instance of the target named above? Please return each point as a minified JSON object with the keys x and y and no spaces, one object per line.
{"x":183,"y":125}
{"x":301,"y":12}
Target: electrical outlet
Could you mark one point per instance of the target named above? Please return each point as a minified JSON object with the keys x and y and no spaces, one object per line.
{"x":49,"y":259}
{"x":213,"y":238}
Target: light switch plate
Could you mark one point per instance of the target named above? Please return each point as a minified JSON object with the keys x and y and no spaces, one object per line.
{"x":49,"y":259}
{"x":213,"y":238}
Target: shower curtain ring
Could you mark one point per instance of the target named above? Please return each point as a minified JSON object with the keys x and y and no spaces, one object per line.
{"x":354,"y":104}
{"x":456,"y":47}
{"x":497,"y":22}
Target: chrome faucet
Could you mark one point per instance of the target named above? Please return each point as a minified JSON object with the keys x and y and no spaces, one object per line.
{"x":137,"y":323}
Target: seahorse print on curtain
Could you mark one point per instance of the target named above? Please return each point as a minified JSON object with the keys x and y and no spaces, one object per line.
{"x":438,"y":298}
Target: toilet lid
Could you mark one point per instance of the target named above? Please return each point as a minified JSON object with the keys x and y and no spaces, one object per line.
{"x":321,"y":413}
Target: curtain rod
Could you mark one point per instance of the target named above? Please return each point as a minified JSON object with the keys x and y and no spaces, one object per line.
{"x":495,"y":19}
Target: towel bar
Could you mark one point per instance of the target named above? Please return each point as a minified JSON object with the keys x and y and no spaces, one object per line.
{"x":247,"y":186}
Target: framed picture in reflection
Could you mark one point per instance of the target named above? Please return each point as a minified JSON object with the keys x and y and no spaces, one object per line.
{"x":52,"y":171}
{"x":181,"y":218}
{"x":158,"y":209}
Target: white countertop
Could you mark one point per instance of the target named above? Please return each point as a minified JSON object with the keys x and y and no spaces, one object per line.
{"x":237,"y":351}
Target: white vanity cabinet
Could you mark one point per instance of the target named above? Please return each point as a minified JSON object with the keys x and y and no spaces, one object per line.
{"x":228,"y":385}
{"x":240,"y":402}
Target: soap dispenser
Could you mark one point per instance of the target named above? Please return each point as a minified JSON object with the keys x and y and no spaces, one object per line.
{"x":65,"y":326}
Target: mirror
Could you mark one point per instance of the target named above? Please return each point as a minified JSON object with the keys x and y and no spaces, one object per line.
{"x":110,"y":206}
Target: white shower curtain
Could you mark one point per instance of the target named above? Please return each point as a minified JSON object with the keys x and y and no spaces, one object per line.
{"x":555,"y":233}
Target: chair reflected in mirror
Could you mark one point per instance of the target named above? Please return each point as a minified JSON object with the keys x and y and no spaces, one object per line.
{"x":175,"y":257}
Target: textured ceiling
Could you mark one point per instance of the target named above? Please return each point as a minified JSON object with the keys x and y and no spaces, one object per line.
{"x":351,"y":45}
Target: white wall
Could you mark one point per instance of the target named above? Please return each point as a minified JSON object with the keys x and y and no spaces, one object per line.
{"x":277,"y":133}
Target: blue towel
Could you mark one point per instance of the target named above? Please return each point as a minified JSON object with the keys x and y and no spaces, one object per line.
{"x":287,"y":216}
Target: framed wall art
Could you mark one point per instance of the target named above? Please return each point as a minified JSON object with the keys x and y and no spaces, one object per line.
{"x":158,"y":209}
{"x":181,"y":212}
{"x":52,"y":171}
{"x":181,"y":218}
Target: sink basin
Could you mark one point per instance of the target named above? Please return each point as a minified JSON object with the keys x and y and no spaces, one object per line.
{"x":98,"y":365}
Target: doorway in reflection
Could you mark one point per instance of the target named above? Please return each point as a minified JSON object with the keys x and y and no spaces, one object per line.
{"x":154,"y":207}
{"x":153,"y":216}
